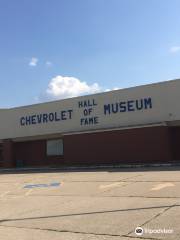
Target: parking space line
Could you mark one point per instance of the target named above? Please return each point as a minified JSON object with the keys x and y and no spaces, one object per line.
{"x":4,"y":194}
{"x":28,"y":192}
{"x":162,"y":185}
{"x":116,"y":184}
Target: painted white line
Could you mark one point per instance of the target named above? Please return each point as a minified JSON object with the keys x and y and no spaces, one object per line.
{"x":4,"y":194}
{"x":116,"y":184}
{"x":28,"y":192}
{"x":161,"y":186}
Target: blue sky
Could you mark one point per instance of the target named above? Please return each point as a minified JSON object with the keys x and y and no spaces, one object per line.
{"x":63,"y":48}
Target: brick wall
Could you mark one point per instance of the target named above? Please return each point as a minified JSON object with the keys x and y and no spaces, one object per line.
{"x":140,"y":145}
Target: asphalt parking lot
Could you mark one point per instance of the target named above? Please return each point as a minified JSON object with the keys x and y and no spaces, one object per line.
{"x":108,"y":204}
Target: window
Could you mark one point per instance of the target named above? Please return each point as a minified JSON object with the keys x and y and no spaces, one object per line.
{"x":55,"y":147}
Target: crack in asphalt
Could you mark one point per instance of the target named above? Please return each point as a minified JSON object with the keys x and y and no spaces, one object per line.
{"x":78,"y":232}
{"x":141,"y":197}
{"x":159,"y":214}
{"x":62,"y":231}
{"x":95,"y":196}
{"x":91,"y":213}
{"x":118,"y":180}
{"x":156,"y":216}
{"x":141,"y":237}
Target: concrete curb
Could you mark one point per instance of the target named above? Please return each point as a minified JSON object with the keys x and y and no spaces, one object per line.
{"x":86,"y":168}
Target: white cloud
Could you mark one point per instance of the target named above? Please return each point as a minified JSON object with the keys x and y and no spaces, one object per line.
{"x":174,"y":49}
{"x":108,"y":89}
{"x":66,"y":87}
{"x":48,"y":63}
{"x":33,"y":62}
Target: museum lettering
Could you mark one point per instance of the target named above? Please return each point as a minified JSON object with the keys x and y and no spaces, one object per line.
{"x":128,"y":106}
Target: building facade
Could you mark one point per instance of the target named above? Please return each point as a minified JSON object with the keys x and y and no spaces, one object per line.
{"x":134,"y":125}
